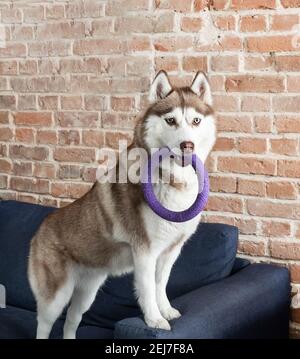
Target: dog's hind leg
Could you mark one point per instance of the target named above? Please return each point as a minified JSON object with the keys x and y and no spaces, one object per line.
{"x":49,"y":311}
{"x":83,"y":297}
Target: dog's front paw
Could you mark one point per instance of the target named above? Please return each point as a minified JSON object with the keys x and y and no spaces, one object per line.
{"x":159,"y":323}
{"x":171,"y":313}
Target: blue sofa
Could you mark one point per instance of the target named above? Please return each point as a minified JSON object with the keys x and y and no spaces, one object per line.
{"x":219,"y":295}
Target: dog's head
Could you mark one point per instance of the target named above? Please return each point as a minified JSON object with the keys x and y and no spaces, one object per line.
{"x":180,"y":118}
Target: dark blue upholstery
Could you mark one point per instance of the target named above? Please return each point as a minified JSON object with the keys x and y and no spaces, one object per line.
{"x":253,"y":303}
{"x":206,"y":260}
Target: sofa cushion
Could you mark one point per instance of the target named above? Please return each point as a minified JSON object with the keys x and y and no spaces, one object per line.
{"x":18,"y":222}
{"x":17,"y":323}
{"x":207,"y":257}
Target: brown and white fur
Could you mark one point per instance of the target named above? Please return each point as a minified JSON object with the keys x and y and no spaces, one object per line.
{"x":111,"y":231}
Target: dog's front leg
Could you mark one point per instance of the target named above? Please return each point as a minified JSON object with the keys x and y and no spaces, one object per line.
{"x":163,"y":269}
{"x":144,"y":273}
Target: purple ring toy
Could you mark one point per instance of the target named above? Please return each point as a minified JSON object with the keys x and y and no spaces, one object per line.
{"x":156,"y":206}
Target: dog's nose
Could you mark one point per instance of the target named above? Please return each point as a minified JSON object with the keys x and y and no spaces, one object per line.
{"x":187,"y":146}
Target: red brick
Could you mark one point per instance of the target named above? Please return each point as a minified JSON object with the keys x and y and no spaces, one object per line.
{"x":200,"y":5}
{"x":112,"y":138}
{"x":93,"y":138}
{"x":122,"y":103}
{"x":12,"y":15}
{"x":134,"y":24}
{"x":295,"y":272}
{"x":48,"y":102}
{"x":22,"y":168}
{"x":253,"y":23}
{"x":13,"y":50}
{"x":252,"y":248}
{"x":222,"y":184}
{"x":44,"y":170}
{"x":247,"y":165}
{"x":191,"y":24}
{"x":252,"y":145}
{"x":139,"y":43}
{"x":69,"y":172}
{"x":270,"y":44}
{"x":253,"y":4}
{"x":224,"y":144}
{"x":167,"y":63}
{"x":49,"y":48}
{"x":29,"y":153}
{"x":33,"y":118}
{"x":281,"y":190}
{"x":258,"y":62}
{"x":283,"y":22}
{"x":77,"y":119}
{"x":226,"y":103}
{"x":71,"y":102}
{"x":4,"y":117}
{"x":89,"y":174}
{"x":98,"y":47}
{"x":27,"y":102}
{"x":68,"y":137}
{"x":267,"y":208}
{"x":28,"y":67}
{"x":33,"y":14}
{"x":176,"y":5}
{"x":251,"y":187}
{"x":284,"y":146}
{"x":5,"y":166}
{"x":224,"y":204}
{"x":3,"y":182}
{"x":29,"y":185}
{"x":247,"y":83}
{"x":25,"y":135}
{"x":290,"y":3}
{"x":194,"y":63}
{"x":46,"y":137}
{"x":55,"y":11}
{"x":65,"y":190}
{"x":287,"y":63}
{"x":293,"y":84}
{"x":230,"y":123}
{"x":225,"y":63}
{"x":173,"y":43}
{"x":286,"y":104}
{"x":164,"y":23}
{"x":288,"y":168}
{"x":7,"y":102}
{"x":275,"y":229}
{"x":93,"y":103}
{"x":6,"y":134}
{"x":60,"y":30}
{"x":263,"y":124}
{"x":8,"y":67}
{"x":287,"y":124}
{"x":226,"y":22}
{"x":246,"y":226}
{"x":285,"y":250}
{"x":74,"y":155}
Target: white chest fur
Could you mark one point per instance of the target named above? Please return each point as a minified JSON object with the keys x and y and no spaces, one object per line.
{"x":163,"y":233}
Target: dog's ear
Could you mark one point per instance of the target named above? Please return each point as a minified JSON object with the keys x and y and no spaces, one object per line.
{"x":201,"y":87}
{"x":160,"y":87}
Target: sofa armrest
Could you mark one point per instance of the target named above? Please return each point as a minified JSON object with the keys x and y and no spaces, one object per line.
{"x":252,"y":303}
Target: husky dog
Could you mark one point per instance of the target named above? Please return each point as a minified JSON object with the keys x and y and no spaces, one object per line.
{"x":112,"y":231}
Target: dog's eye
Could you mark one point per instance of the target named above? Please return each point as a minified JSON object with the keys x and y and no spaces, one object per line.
{"x":196,"y":121}
{"x":171,"y":121}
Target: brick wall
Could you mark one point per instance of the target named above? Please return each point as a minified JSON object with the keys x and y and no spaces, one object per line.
{"x":73,"y":75}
